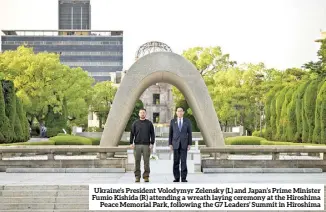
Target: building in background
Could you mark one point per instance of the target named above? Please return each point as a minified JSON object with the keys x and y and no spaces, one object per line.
{"x":322,"y":36}
{"x":100,"y":53}
{"x":74,"y":14}
{"x":158,"y":98}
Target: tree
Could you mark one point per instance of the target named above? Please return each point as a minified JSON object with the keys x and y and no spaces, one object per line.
{"x":309,"y":106}
{"x":301,"y":124}
{"x":5,"y":135}
{"x":278,"y":108}
{"x":18,"y":126}
{"x":285,"y":114}
{"x":102,"y":99}
{"x":42,"y":82}
{"x":318,"y":67}
{"x":10,"y":107}
{"x":270,"y":112}
{"x":208,"y":60}
{"x":23,"y":120}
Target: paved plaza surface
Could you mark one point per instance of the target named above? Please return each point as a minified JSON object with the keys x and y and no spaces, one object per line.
{"x":122,"y":178}
{"x":161,"y":172}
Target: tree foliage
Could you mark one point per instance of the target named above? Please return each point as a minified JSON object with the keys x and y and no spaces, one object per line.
{"x":102,"y":98}
{"x":43,"y":83}
{"x":289,"y":105}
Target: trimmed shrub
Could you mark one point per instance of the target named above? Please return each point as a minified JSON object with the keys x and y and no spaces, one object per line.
{"x":291,"y":125}
{"x":10,"y":106}
{"x":318,"y":131}
{"x":323,"y":122}
{"x":71,"y":140}
{"x":62,"y":134}
{"x":17,"y":125}
{"x":52,"y":131}
{"x":270,"y":112}
{"x":273,"y":125}
{"x":278,"y":120}
{"x":124,"y":143}
{"x":55,"y":122}
{"x":257,"y":133}
{"x":95,"y":141}
{"x":23,"y":120}
{"x":299,"y":113}
{"x":30,"y":143}
{"x":6,"y":136}
{"x":284,"y":121}
{"x":309,"y":105}
{"x":244,"y":140}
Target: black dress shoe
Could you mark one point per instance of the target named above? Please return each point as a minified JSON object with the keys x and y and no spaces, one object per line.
{"x":176,"y":180}
{"x":184,"y":180}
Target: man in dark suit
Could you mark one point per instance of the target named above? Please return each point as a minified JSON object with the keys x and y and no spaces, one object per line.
{"x":180,"y":140}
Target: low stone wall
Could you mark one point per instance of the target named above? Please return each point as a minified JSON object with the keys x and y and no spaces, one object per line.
{"x":126,"y":135}
{"x":211,"y":163}
{"x":66,"y":163}
{"x":62,"y":157}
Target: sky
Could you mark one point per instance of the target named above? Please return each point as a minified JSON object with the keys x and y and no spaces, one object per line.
{"x":279,"y":33}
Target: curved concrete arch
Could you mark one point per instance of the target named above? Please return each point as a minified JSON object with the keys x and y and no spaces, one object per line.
{"x":166,"y":67}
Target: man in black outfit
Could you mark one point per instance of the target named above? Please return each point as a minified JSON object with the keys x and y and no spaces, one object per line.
{"x":180,"y":140}
{"x":142,"y":138}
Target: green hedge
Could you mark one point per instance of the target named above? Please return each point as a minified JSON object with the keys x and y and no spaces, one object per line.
{"x":62,"y":134}
{"x":78,"y":140}
{"x":71,"y":140}
{"x":95,"y":141}
{"x":30,"y":143}
{"x":257,"y":133}
{"x":244,"y":140}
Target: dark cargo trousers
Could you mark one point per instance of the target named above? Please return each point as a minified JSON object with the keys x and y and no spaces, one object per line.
{"x":140,"y":150}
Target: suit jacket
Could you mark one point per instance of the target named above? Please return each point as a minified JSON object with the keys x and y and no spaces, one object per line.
{"x":180,"y":139}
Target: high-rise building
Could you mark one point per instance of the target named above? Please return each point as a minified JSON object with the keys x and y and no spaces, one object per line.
{"x":100,"y":53}
{"x":74,"y":14}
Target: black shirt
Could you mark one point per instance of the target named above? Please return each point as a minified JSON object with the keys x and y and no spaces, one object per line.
{"x":142,"y":132}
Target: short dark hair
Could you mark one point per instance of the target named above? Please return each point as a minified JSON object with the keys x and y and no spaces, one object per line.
{"x":142,"y":109}
{"x":180,"y":107}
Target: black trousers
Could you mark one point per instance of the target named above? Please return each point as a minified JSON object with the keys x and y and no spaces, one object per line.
{"x":180,"y":155}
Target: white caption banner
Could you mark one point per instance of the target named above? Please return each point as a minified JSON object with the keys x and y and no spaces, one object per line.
{"x":206,"y":197}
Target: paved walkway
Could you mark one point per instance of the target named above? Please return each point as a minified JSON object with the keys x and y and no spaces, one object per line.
{"x":118,"y":178}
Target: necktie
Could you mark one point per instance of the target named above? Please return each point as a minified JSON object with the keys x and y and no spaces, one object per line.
{"x":180,"y":125}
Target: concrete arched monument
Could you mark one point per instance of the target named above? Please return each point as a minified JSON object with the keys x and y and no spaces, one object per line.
{"x":165,"y":67}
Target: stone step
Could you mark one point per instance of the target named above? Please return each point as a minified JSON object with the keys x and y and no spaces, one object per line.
{"x":49,"y":210}
{"x":46,"y":206}
{"x":44,"y":200}
{"x":44,"y":187}
{"x":43,"y":193}
{"x":262,"y":170}
{"x":65,"y":170}
{"x":79,"y":210}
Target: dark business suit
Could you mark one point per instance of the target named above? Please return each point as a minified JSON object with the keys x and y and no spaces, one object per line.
{"x":180,"y":141}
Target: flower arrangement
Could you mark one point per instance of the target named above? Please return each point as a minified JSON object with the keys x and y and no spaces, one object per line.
{"x":153,"y":157}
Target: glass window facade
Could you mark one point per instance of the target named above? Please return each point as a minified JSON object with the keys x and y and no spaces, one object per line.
{"x":74,"y":14}
{"x":96,"y":54}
